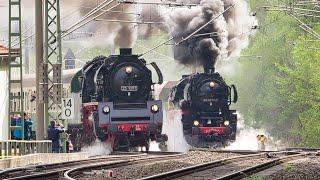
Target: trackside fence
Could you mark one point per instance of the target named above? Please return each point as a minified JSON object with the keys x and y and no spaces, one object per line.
{"x":18,"y":148}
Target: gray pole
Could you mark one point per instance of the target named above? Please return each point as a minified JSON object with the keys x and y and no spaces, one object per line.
{"x":27,"y":43}
{"x":39,"y":59}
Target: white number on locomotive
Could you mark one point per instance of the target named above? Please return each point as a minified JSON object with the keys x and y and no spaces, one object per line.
{"x":129,"y":88}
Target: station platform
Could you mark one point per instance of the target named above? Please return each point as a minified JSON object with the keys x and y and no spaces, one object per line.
{"x":40,"y":158}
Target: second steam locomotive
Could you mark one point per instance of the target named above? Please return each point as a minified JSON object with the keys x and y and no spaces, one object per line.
{"x":118,"y":103}
{"x":204,"y":99}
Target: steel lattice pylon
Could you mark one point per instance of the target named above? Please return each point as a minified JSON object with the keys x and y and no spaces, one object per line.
{"x":50,"y":81}
{"x":15,"y":67}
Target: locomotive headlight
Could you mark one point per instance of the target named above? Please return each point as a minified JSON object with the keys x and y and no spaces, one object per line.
{"x":129,"y":69}
{"x":196,"y":123}
{"x":154,"y":108}
{"x":106,"y":109}
{"x":226,"y":123}
{"x":211,"y":84}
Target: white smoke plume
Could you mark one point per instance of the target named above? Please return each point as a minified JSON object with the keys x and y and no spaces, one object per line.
{"x":247,"y":138}
{"x":233,"y":28}
{"x":98,"y":149}
{"x":154,"y":146}
{"x":172,"y":126}
{"x":114,"y":33}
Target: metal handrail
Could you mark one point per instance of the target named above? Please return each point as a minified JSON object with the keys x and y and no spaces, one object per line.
{"x":21,"y":147}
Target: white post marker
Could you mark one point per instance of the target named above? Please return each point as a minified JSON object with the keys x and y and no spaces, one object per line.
{"x":67,"y":108}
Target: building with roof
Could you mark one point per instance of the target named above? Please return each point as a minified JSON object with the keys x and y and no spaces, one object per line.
{"x":4,"y":55}
{"x":4,"y":100}
{"x":69,"y":60}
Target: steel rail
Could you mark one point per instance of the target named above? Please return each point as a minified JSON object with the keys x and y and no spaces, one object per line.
{"x":76,"y":171}
{"x":14,"y":173}
{"x":196,"y":168}
{"x":243,"y":152}
{"x":302,"y":148}
{"x":263,"y":166}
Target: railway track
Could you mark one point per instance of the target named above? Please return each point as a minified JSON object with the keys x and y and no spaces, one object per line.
{"x":243,"y":152}
{"x":228,"y":168}
{"x":263,"y":166}
{"x":240,"y":163}
{"x":78,"y":172}
{"x":55,"y":170}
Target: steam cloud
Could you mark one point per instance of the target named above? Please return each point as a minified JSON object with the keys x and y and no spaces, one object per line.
{"x":98,"y":149}
{"x":223,"y":38}
{"x":172,"y":126}
{"x":246,"y":138}
{"x":228,"y":34}
{"x":121,"y":34}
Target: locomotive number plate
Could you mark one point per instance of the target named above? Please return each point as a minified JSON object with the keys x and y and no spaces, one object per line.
{"x":129,"y":88}
{"x":210,"y":100}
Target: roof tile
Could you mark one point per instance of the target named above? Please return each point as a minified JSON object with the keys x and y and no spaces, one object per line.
{"x":3,"y":49}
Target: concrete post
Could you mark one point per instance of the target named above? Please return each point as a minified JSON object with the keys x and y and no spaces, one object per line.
{"x":4,"y":100}
{"x":40,"y":131}
{"x":27,"y":43}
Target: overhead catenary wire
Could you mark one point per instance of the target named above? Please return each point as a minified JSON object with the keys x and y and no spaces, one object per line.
{"x":33,"y":34}
{"x":308,"y":31}
{"x":156,"y":47}
{"x":90,"y":13}
{"x":79,"y":21}
{"x":296,"y":12}
{"x":84,"y":22}
{"x":191,"y":35}
{"x":126,"y":21}
{"x":170,"y":4}
{"x":203,"y":26}
{"x":306,"y":27}
{"x":291,"y":8}
{"x":306,"y":15}
{"x":161,"y":54}
{"x":302,"y":25}
{"x":30,"y":27}
{"x":86,"y":19}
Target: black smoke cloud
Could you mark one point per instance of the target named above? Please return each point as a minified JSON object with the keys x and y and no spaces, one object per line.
{"x":229,"y":33}
{"x":205,"y":47}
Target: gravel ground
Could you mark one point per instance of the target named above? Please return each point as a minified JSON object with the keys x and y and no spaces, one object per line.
{"x":223,"y":170}
{"x":152,"y":168}
{"x":307,"y":168}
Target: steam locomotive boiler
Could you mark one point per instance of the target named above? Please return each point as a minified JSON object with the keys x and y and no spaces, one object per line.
{"x":118,"y":103}
{"x":204,"y":99}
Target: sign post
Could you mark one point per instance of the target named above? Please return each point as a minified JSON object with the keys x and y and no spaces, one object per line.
{"x":67,"y":108}
{"x":67,"y":112}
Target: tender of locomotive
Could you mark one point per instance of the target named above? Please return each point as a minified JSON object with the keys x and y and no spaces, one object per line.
{"x":205,"y":99}
{"x":118,"y":103}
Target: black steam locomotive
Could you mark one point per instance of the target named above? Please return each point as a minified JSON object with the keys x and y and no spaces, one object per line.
{"x":118,"y":103}
{"x":204,"y":99}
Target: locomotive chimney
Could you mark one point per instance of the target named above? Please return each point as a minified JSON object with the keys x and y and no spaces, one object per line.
{"x":125,"y":51}
{"x":208,"y":67}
